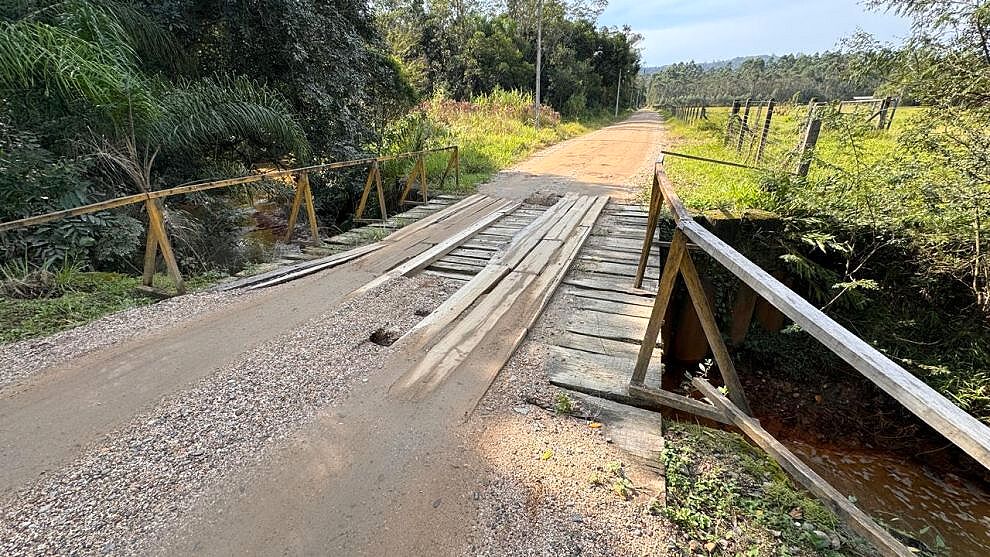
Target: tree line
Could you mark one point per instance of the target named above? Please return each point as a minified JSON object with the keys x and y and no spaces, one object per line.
{"x":825,"y":76}
{"x":100,"y":98}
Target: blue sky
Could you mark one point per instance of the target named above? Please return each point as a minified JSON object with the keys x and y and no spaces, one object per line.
{"x":706,"y":30}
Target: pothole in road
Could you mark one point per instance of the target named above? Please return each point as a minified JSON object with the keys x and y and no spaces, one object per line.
{"x":547,"y":199}
{"x":383,"y":337}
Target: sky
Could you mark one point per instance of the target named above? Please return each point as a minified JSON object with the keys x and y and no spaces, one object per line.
{"x":707,"y":30}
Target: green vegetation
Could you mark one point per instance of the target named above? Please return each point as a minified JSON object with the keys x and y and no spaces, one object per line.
{"x":732,"y":499}
{"x":798,"y":77}
{"x":40,"y":302}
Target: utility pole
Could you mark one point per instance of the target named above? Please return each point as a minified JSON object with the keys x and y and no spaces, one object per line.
{"x":618,"y":87}
{"x":539,"y":57}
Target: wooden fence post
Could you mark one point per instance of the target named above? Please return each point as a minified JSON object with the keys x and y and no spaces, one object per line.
{"x":303,"y":195}
{"x":743,"y":125}
{"x":732,"y":118}
{"x":158,"y":238}
{"x":882,"y":119}
{"x":807,"y":149}
{"x":665,"y":289}
{"x":766,"y":131}
{"x":893,"y":110}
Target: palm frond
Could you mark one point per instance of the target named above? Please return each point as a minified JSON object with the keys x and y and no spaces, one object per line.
{"x":39,"y":55}
{"x":222,"y":109}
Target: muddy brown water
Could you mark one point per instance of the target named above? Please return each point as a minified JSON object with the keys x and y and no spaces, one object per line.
{"x":908,"y":497}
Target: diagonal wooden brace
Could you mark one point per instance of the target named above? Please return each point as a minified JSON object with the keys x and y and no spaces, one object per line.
{"x":303,"y":195}
{"x":157,"y":238}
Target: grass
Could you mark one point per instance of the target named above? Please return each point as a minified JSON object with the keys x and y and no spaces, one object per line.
{"x":84,"y":297}
{"x":731,"y":499}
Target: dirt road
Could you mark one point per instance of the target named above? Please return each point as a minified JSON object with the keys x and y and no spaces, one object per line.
{"x":367,"y":475}
{"x":610,"y":161}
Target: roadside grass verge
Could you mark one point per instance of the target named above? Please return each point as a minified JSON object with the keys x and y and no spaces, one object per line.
{"x":729,"y":498}
{"x":78,"y":298}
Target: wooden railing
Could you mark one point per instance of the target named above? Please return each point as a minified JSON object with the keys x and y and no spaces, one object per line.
{"x":962,"y":429}
{"x":157,"y":238}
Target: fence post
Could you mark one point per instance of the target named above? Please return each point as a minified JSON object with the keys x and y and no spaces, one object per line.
{"x":157,"y":237}
{"x":894,"y":103}
{"x":882,"y":118}
{"x":766,"y":131}
{"x":806,"y":152}
{"x":732,"y":118}
{"x":743,"y":126}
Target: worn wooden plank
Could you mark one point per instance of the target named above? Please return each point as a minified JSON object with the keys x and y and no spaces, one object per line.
{"x":608,"y":306}
{"x":627,"y":271}
{"x":836,"y":501}
{"x":634,"y":430}
{"x":628,"y":245}
{"x":608,"y":295}
{"x":473,"y":261}
{"x":449,"y":266}
{"x":606,"y":377}
{"x":604,"y":346}
{"x":606,"y":282}
{"x":471,"y":253}
{"x":606,"y":325}
{"x":453,"y":276}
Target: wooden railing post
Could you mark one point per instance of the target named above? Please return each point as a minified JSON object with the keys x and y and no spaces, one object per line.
{"x":733,"y":115}
{"x":422,"y":178}
{"x":743,"y":125}
{"x":665,"y":289}
{"x":656,"y":202}
{"x":766,"y":131}
{"x":303,"y":195}
{"x":158,"y":238}
{"x":807,"y":149}
{"x":367,"y":191}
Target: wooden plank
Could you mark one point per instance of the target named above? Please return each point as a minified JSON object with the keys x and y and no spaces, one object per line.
{"x":453,"y":276}
{"x":667,"y":399}
{"x":467,"y":334}
{"x":606,"y":325}
{"x":469,"y":253}
{"x":706,"y":315}
{"x":628,"y":245}
{"x":836,"y":501}
{"x":604,"y":346}
{"x":607,"y":295}
{"x":634,"y":430}
{"x":473,"y":261}
{"x":606,"y":377}
{"x":623,"y":270}
{"x":444,"y":265}
{"x":608,"y":306}
{"x":603,"y":282}
{"x":294,"y":272}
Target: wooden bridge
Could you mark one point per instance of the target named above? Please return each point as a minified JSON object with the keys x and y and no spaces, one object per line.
{"x":594,"y":262}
